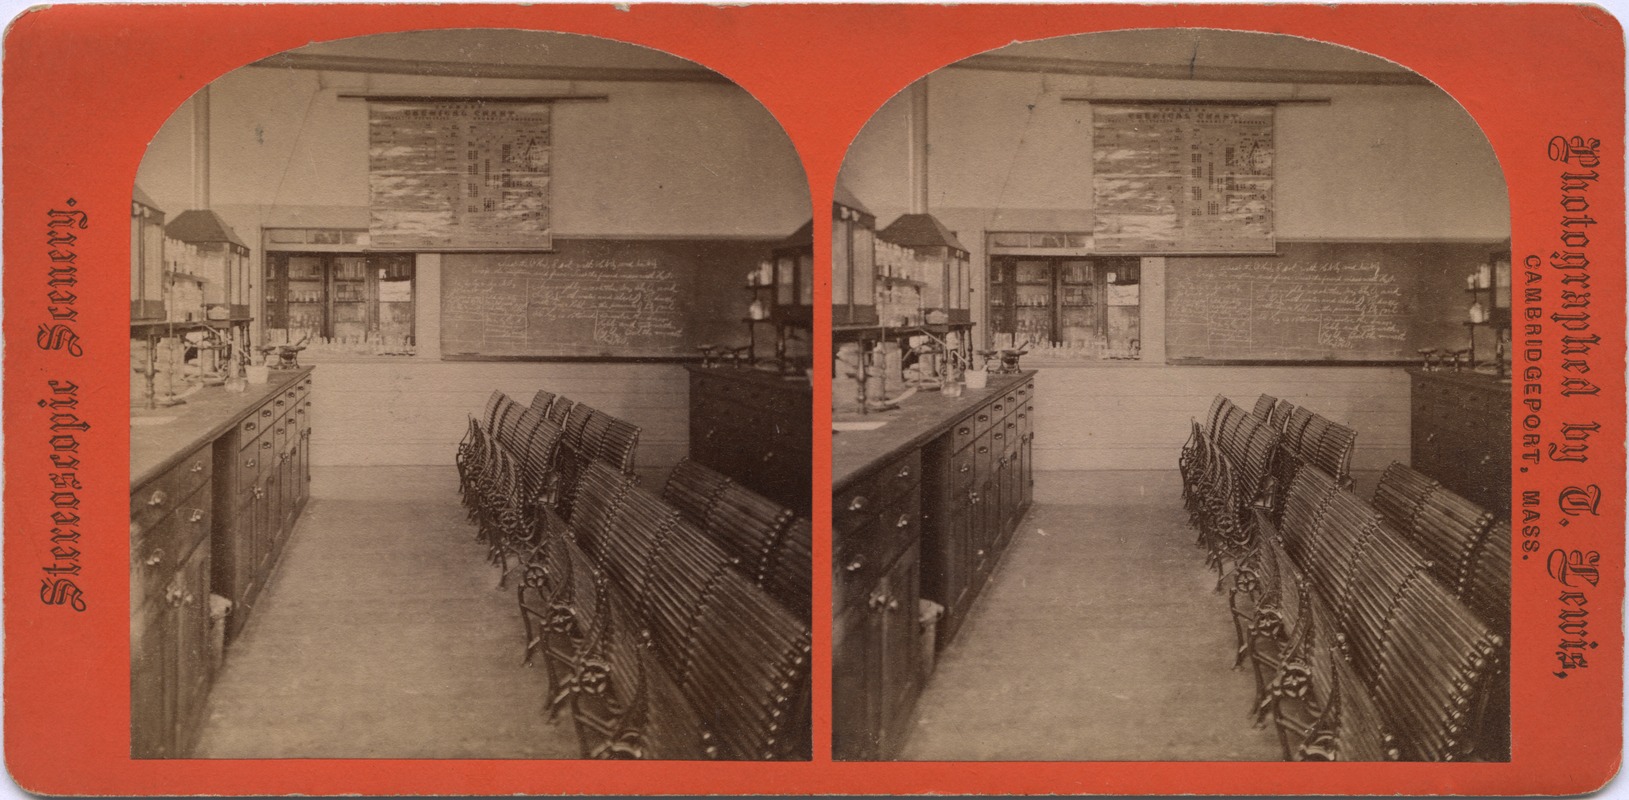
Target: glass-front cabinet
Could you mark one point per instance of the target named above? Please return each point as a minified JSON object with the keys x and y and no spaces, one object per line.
{"x":1084,"y":307}
{"x":343,"y":298}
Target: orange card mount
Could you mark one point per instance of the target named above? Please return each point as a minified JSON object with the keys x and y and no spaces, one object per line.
{"x":88,"y":87}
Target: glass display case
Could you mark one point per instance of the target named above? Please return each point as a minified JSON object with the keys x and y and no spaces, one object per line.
{"x":349,"y":298}
{"x":941,"y":265}
{"x":1089,"y":307}
{"x":212,"y":254}
{"x":853,"y":255}
{"x":146,"y":258}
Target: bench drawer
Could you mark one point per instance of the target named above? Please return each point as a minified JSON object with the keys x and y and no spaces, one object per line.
{"x":157,"y":497}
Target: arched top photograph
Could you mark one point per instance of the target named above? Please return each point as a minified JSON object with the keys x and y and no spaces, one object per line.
{"x":1122,"y":293}
{"x":468,"y":356}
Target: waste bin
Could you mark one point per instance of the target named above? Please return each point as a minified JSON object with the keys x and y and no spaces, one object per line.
{"x":219,"y":607}
{"x":928,"y":614}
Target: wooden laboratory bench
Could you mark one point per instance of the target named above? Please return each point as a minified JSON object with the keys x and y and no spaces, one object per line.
{"x":214,"y":491}
{"x":753,"y":426}
{"x":921,"y":508}
{"x":1460,"y":434}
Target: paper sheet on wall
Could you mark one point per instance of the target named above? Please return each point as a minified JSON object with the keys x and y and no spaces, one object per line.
{"x":1182,"y":178}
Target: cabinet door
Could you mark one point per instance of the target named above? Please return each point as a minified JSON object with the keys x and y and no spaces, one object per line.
{"x":152,"y":704}
{"x":190,"y":612}
{"x":1026,"y":472}
{"x":853,"y":686}
{"x":894,"y":613}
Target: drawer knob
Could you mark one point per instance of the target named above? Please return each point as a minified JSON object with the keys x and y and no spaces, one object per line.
{"x":279,"y":404}
{"x":265,"y":444}
{"x":904,"y":521}
{"x":155,"y":559}
{"x":856,"y":565}
{"x":984,"y":418}
{"x":197,"y":467}
{"x":997,"y":435}
{"x":965,"y":468}
{"x":857,"y":503}
{"x":973,"y":497}
{"x":259,"y":493}
{"x":251,"y":463}
{"x":265,"y":412}
{"x":981,"y":554}
{"x":984,"y":449}
{"x":964,"y":430}
{"x":158,"y":498}
{"x":904,"y":472}
{"x":197,"y":514}
{"x":768,"y":457}
{"x":249,"y":426}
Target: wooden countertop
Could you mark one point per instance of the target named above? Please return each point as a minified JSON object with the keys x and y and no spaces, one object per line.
{"x":206,"y":415}
{"x":761,"y":377}
{"x":1485,"y":381}
{"x":924,"y":416}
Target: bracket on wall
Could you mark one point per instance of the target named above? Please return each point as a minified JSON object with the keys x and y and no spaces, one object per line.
{"x":1148,"y":101}
{"x":541,"y":98}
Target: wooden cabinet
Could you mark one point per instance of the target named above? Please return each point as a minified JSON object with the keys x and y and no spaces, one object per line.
{"x":929,"y":520}
{"x":170,"y":654}
{"x":876,"y":587}
{"x":265,"y":480}
{"x":978,"y":484}
{"x":211,"y":521}
{"x":1460,"y":434}
{"x":754,"y":427}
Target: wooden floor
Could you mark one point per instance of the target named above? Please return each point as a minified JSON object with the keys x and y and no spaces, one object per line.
{"x":381,"y":635}
{"x":1099,"y":638}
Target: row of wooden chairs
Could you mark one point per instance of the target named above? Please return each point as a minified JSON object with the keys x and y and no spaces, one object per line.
{"x":1226,"y":468}
{"x":1306,"y":437}
{"x":651,"y":638}
{"x":1361,"y":652}
{"x":767,"y":542}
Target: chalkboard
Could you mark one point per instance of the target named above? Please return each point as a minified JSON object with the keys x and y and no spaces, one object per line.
{"x":1321,"y":302}
{"x":597,"y":299}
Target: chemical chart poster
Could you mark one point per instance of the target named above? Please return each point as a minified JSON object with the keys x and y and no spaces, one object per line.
{"x":87,"y":86}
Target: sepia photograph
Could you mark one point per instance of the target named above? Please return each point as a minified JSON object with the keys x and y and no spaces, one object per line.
{"x":1171,"y":394}
{"x":469,"y":409}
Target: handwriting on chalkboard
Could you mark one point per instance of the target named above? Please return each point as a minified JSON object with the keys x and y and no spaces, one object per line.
{"x":513,"y":303}
{"x":1241,"y":307}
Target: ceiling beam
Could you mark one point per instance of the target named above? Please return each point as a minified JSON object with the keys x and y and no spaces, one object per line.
{"x":471,"y":69}
{"x":1188,"y":72}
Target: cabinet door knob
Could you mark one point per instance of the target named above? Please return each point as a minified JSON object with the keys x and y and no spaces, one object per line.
{"x":155,"y":559}
{"x":857,"y":503}
{"x":904,"y":521}
{"x":904,"y":472}
{"x":197,"y":514}
{"x":1486,"y":459}
{"x":197,"y":467}
{"x":1431,"y":437}
{"x":158,"y":498}
{"x":856,"y":565}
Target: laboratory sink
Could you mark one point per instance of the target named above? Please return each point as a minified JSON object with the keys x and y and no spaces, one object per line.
{"x":868,"y":425}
